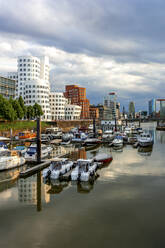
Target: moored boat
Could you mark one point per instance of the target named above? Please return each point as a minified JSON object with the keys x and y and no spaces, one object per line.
{"x":10,"y":160}
{"x":31,"y":153}
{"x":91,"y":141}
{"x":145,"y":139}
{"x":118,"y":141}
{"x":85,"y":170}
{"x":103,"y":158}
{"x":58,"y":167}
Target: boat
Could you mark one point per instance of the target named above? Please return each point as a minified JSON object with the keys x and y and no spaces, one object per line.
{"x":108,"y":135}
{"x":21,"y":149}
{"x":127,"y":130}
{"x":10,"y":160}
{"x":103,"y":158}
{"x":31,"y":153}
{"x":145,"y":139}
{"x":84,"y":170}
{"x":3,"y":147}
{"x":79,"y":137}
{"x":140,"y":130}
{"x":67,"y":143}
{"x":91,"y":141}
{"x":118,"y":141}
{"x":26,"y":135}
{"x":58,"y":167}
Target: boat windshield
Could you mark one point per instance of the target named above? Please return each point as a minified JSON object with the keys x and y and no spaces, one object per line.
{"x":32,"y":149}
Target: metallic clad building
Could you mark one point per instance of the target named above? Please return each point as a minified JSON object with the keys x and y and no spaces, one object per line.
{"x":152,"y":107}
{"x":7,"y":87}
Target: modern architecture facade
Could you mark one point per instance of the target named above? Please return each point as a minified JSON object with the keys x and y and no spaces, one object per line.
{"x":72,"y":112}
{"x":33,"y":82}
{"x":77,"y":96}
{"x":57,"y":105}
{"x":162,"y":108}
{"x":110,"y":102}
{"x":7,"y":87}
{"x":61,"y":109}
{"x":131,"y":109}
{"x":152,"y":107}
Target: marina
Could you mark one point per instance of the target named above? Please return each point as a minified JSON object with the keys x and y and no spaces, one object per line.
{"x":122,"y":189}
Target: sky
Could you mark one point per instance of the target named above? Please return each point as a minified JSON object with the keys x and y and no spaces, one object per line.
{"x":103,"y":45}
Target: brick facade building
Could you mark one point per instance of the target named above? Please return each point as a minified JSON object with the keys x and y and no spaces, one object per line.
{"x":77,"y":96}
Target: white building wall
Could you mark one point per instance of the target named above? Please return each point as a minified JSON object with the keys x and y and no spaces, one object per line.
{"x":57,"y":105}
{"x":72,"y":112}
{"x":33,"y":82}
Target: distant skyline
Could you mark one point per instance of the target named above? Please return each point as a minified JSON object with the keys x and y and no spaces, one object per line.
{"x":103,"y":45}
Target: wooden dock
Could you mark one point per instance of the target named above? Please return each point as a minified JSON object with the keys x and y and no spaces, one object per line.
{"x":35,"y":169}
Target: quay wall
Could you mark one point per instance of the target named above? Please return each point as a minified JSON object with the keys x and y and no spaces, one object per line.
{"x":19,"y":126}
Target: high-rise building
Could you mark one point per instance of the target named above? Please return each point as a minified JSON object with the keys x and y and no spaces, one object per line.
{"x":152,"y":107}
{"x":132,"y":109}
{"x":111,"y":104}
{"x":77,"y":96}
{"x":7,"y":87}
{"x":33,"y":82}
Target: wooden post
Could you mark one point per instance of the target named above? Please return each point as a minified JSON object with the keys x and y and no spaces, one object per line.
{"x":139,"y":121}
{"x":39,"y":140}
{"x":39,"y":205}
{"x":115,"y":125}
{"x":94,"y":127}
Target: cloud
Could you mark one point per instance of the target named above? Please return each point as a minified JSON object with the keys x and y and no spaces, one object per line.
{"x":103,"y":45}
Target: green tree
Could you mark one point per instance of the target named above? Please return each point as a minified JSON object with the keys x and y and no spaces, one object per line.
{"x":18,"y":109}
{"x":37,"y":110}
{"x":22,"y":104}
{"x":30,"y":112}
{"x":7,"y":111}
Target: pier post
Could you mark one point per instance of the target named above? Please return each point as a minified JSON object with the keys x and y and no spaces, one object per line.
{"x":115,"y":125}
{"x":94,"y":127}
{"x":39,"y":140}
{"x":39,"y":207}
{"x":139,"y":122}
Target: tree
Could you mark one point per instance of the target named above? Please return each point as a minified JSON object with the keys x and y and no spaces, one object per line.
{"x":30,"y":112}
{"x":22,"y":104}
{"x":7,"y":111}
{"x":18,"y":109}
{"x":37,"y":110}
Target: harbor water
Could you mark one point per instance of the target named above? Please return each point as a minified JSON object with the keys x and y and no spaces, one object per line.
{"x":124,"y":207}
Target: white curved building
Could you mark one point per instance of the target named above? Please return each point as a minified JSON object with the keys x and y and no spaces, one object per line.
{"x":33,"y":82}
{"x":57,"y":105}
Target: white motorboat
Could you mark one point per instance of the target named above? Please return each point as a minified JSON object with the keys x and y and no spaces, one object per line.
{"x":91,"y":141}
{"x":84,"y":170}
{"x":31,"y":153}
{"x":118,"y":141}
{"x":145,"y":139}
{"x":108,"y":135}
{"x":58,"y":167}
{"x":127,"y":130}
{"x":10,"y":160}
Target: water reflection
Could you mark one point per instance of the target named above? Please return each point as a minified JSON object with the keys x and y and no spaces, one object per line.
{"x":31,"y":191}
{"x":145,"y":151}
